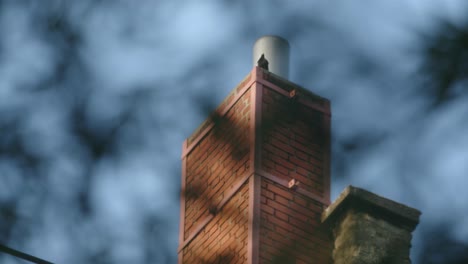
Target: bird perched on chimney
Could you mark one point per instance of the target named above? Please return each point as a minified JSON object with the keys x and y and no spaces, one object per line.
{"x":262,"y":62}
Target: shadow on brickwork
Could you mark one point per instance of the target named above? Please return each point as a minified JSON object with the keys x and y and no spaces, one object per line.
{"x":294,"y":245}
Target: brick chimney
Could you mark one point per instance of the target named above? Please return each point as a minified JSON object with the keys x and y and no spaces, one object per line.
{"x":369,"y":229}
{"x":256,"y":173}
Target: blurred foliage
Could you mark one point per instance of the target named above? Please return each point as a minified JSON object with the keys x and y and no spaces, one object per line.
{"x":444,"y":53}
{"x":88,"y":139}
{"x":441,"y":248}
{"x":445,"y":71}
{"x":445,"y":61}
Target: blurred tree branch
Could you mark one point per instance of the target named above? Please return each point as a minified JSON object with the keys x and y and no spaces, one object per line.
{"x":445,"y":61}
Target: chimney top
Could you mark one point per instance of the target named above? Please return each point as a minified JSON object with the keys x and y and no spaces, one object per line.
{"x":368,"y":228}
{"x":360,"y":199}
{"x":275,"y":50}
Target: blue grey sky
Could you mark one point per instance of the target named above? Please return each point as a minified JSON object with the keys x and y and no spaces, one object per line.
{"x":141,"y":75}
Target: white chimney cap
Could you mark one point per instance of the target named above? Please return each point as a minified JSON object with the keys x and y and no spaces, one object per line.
{"x":276,"y":51}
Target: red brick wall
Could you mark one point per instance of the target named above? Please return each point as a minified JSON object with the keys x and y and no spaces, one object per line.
{"x":236,"y":204}
{"x":217,"y":162}
{"x":294,"y":145}
{"x":290,"y":229}
{"x":294,"y":141}
{"x":224,"y":239}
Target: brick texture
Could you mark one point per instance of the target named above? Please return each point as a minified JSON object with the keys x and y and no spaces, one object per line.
{"x":290,"y":229}
{"x":224,"y":239}
{"x":258,"y":132}
{"x":219,"y":160}
{"x":294,"y":143}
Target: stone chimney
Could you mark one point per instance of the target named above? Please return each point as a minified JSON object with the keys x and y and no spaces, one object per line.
{"x":369,"y":229}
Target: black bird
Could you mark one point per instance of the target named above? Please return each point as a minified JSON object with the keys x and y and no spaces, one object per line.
{"x":262,"y":62}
